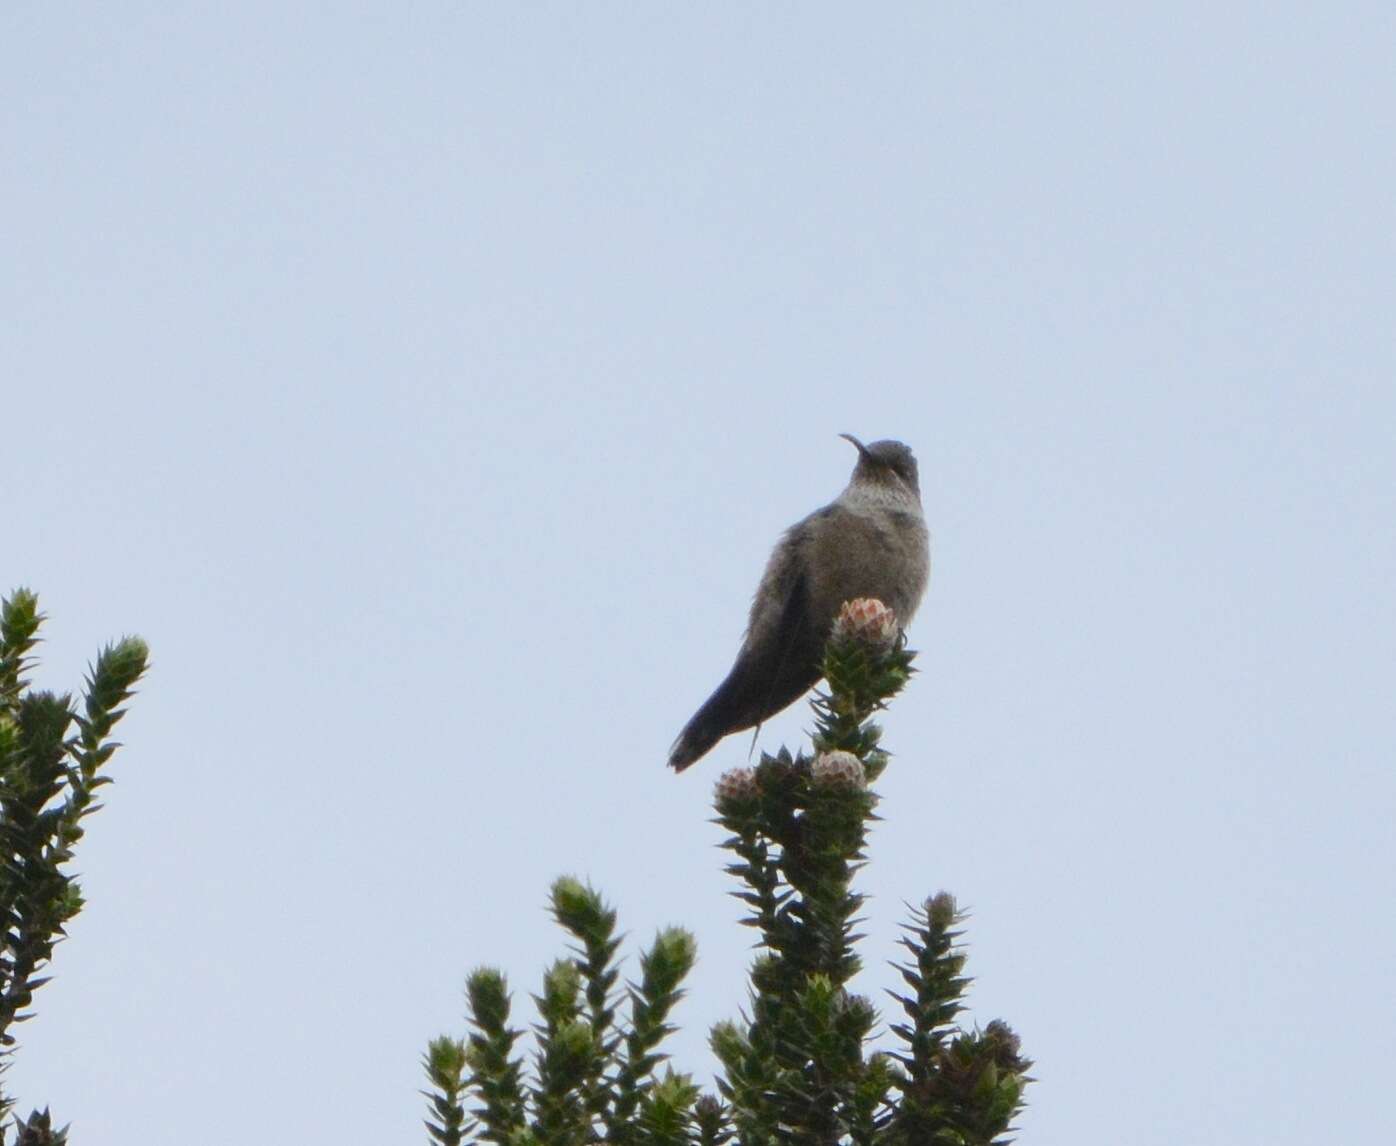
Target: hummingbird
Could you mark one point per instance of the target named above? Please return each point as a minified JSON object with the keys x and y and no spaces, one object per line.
{"x":870,"y":541}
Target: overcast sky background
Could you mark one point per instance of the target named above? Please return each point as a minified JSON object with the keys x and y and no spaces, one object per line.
{"x":427,"y":383}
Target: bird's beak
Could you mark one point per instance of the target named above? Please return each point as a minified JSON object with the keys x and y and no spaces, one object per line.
{"x":862,"y":449}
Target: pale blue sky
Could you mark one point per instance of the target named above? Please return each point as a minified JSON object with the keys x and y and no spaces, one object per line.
{"x":427,"y":382}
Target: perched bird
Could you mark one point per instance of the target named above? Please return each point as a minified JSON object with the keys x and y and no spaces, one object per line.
{"x":871,"y":541}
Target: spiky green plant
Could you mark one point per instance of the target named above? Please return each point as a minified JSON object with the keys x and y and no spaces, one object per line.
{"x":796,"y":1068}
{"x":52,"y":763}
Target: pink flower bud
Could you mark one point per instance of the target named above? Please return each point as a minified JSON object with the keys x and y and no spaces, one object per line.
{"x":838,"y":770}
{"x":867,"y":621}
{"x":736,"y":784}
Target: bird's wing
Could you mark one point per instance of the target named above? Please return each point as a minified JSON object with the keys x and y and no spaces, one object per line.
{"x":778,"y":660}
{"x":780,"y":655}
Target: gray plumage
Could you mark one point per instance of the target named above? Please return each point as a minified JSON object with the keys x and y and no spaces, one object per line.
{"x":871,"y":541}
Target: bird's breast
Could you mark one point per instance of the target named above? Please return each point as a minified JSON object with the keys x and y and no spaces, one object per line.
{"x":881,"y":553}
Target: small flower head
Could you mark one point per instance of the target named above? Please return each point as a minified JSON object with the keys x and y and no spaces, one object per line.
{"x":867,"y":621}
{"x":1005,"y":1042}
{"x":736,"y":787}
{"x":942,"y":911}
{"x":838,"y":770}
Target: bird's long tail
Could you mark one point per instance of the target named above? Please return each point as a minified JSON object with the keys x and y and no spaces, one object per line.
{"x":691,"y":746}
{"x":723,"y":712}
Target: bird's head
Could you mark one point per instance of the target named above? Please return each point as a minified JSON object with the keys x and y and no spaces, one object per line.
{"x":886,"y":462}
